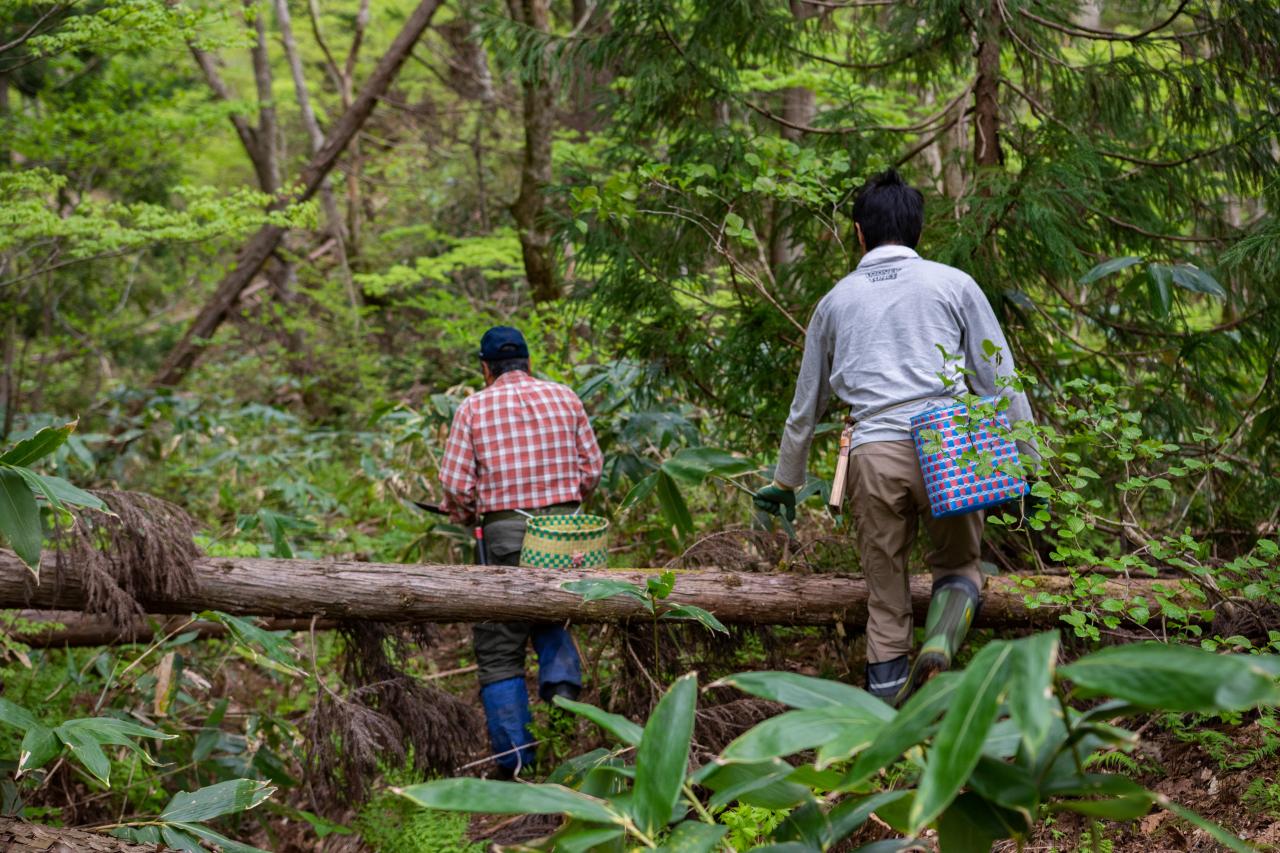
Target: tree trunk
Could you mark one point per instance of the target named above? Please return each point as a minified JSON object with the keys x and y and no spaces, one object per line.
{"x":986,"y":91}
{"x":73,"y":628}
{"x":535,"y":171}
{"x":300,"y":589}
{"x":798,"y":107}
{"x":264,"y":242}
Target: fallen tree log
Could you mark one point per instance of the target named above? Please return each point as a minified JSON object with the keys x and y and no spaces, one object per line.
{"x":59,"y":628}
{"x":443,"y":593}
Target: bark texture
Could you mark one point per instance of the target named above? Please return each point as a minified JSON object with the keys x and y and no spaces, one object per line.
{"x":264,"y":242}
{"x":439,"y":593}
{"x":986,"y":91}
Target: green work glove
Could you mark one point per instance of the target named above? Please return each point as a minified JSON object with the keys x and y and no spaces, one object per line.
{"x":776,"y":500}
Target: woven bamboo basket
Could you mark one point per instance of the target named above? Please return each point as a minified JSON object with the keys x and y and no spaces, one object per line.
{"x":566,"y":542}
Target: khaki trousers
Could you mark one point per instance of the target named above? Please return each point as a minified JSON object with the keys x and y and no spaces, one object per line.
{"x":889,"y":500}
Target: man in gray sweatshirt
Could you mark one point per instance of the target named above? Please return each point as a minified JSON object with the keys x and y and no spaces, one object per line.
{"x":896,"y":337}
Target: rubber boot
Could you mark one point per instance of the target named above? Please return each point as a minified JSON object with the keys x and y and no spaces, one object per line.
{"x":506,"y":710}
{"x":952,"y":608}
{"x":886,"y":678}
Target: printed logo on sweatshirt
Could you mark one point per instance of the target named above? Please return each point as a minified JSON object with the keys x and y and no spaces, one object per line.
{"x":883,"y":275}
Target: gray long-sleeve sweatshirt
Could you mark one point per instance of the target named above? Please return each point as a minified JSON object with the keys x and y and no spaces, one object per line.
{"x":877,"y":341}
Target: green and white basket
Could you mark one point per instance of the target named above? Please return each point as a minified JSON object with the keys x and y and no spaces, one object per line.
{"x":566,"y":542}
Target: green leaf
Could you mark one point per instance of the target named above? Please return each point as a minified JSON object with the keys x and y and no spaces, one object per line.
{"x":59,"y":493}
{"x":696,"y":614}
{"x":1175,"y":678}
{"x":278,"y":653}
{"x":1191,"y":277}
{"x":228,"y":845}
{"x":39,"y":746}
{"x":910,"y":727}
{"x":236,"y":795}
{"x":673,"y":505}
{"x":576,"y":838}
{"x":1219,"y":834}
{"x":615,"y":724}
{"x":17,"y":716}
{"x":491,"y":797}
{"x":596,"y":590}
{"x":971,"y":824}
{"x":663,"y":755}
{"x":693,"y":836}
{"x":1159,"y":293}
{"x":795,"y":731}
{"x":38,"y":446}
{"x":804,"y":692}
{"x":763,"y":784}
{"x":20,"y":519}
{"x":851,"y":814}
{"x":179,"y":839}
{"x":1031,"y":701}
{"x":1108,"y":267}
{"x":87,"y":750}
{"x":692,"y":465}
{"x":659,"y":586}
{"x":639,"y":491}
{"x":958,"y":743}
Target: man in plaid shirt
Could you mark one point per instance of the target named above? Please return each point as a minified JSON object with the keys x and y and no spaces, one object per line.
{"x":522,"y":446}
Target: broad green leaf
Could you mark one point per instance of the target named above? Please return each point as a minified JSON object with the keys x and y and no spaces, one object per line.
{"x":278,"y":653}
{"x":87,"y":750}
{"x":1108,"y":267}
{"x":39,"y":746}
{"x":596,"y":590}
{"x":848,"y":815}
{"x":910,"y":727}
{"x":796,"y":731}
{"x":1175,"y":678}
{"x":20,"y":519}
{"x":16,"y":715}
{"x":890,"y":845}
{"x":61,"y":494}
{"x":615,"y":724}
{"x":491,"y":797}
{"x":226,"y":844}
{"x":663,"y":755}
{"x":804,"y":692}
{"x":1031,"y":701}
{"x":38,"y":446}
{"x":236,"y":795}
{"x":180,"y":839}
{"x":1159,"y":292}
{"x":573,"y":770}
{"x":695,"y":614}
{"x":673,"y":504}
{"x":639,"y":492}
{"x":848,"y":742}
{"x":787,"y":847}
{"x":659,"y":586}
{"x":140,"y":834}
{"x":971,"y":824}
{"x":693,"y":836}
{"x":1115,"y":808}
{"x":1191,"y":277}
{"x":762,"y":784}
{"x":1007,"y":784}
{"x":575,"y":838}
{"x":692,"y":465}
{"x":958,"y":743}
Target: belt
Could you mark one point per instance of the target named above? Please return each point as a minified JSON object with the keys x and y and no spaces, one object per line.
{"x":553,"y":509}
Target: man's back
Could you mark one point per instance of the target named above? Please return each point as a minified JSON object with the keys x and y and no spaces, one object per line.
{"x":521,"y":443}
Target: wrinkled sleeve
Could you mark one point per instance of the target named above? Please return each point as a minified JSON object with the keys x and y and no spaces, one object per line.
{"x":458,"y":468}
{"x":813,"y":391}
{"x":590,"y":459}
{"x":993,"y":361}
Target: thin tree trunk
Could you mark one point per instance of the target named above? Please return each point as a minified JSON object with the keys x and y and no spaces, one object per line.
{"x":264,"y":242}
{"x":438,"y":593}
{"x":798,"y":108}
{"x":268,"y":129}
{"x":312,"y":125}
{"x":986,"y":91}
{"x":535,"y":171}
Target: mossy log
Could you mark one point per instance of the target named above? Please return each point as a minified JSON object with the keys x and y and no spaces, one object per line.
{"x":300,"y":589}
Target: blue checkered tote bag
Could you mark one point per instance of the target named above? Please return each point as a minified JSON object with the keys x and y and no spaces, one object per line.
{"x":958,"y":485}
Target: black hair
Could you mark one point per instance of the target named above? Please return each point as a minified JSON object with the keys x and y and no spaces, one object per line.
{"x":505,"y":365}
{"x":889,"y":211}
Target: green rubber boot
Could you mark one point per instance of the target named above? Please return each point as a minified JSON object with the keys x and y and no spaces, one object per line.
{"x":952,"y":608}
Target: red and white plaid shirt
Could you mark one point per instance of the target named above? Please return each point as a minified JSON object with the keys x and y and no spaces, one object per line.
{"x":521,"y":443}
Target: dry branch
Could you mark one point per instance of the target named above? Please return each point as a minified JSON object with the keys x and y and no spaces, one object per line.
{"x":441,"y":593}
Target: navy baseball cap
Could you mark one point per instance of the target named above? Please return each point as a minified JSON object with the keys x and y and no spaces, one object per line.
{"x":502,"y":342}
